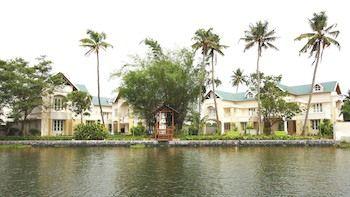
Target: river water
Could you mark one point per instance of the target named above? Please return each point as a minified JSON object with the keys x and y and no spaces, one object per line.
{"x":243,"y":171}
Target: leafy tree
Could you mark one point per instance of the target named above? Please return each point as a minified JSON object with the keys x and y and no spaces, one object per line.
{"x":322,"y":37}
{"x":95,"y":42}
{"x":79,"y":103}
{"x":274,"y":107}
{"x":214,"y":49}
{"x":197,"y":122}
{"x":260,"y":35}
{"x":23,"y":87}
{"x":168,"y":78}
{"x":238,"y":78}
{"x":345,"y":109}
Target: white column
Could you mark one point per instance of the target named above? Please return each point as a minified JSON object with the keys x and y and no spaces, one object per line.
{"x":285,"y":126}
{"x":222,"y":128}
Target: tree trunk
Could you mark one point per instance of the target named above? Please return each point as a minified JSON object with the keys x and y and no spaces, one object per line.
{"x":237,"y":89}
{"x":258,"y":89}
{"x":98,"y":86}
{"x":22,"y":128}
{"x":23,"y":124}
{"x":311,"y":91}
{"x":201,"y":81}
{"x":213,"y":86}
{"x":81,"y":118}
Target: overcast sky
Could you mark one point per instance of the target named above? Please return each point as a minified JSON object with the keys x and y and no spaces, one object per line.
{"x":53,"y":28}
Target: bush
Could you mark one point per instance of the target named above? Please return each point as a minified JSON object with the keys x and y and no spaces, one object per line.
{"x":280,"y":133}
{"x":90,"y":132}
{"x":13,"y":131}
{"x":138,"y":130}
{"x":232,"y":134}
{"x":192,"y":130}
{"x":34,"y":132}
{"x":326,"y":128}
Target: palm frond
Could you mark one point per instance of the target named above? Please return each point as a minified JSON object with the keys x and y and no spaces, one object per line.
{"x":305,"y":35}
{"x":249,"y":45}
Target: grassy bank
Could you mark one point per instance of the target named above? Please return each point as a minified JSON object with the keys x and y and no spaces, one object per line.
{"x":228,"y":136}
{"x":251,"y":137}
{"x":343,"y":145}
{"x":14,"y":138}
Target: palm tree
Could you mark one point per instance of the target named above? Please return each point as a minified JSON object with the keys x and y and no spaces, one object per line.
{"x":215,"y":48}
{"x":94,"y":42}
{"x":321,"y":37}
{"x":238,"y":78}
{"x":259,"y":35}
{"x":202,"y":41}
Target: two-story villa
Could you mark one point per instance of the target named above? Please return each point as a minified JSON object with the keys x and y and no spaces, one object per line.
{"x":238,"y":110}
{"x":53,"y":118}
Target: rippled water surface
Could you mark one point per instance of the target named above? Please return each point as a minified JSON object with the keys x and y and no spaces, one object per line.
{"x":274,"y":171}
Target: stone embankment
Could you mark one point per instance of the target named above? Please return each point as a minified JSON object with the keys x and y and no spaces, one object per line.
{"x":174,"y":143}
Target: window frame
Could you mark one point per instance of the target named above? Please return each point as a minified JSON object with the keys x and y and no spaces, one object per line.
{"x":317,"y":107}
{"x":315,"y":124}
{"x":58,"y":126}
{"x":58,"y":103}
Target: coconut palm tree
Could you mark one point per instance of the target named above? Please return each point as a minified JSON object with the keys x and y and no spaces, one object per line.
{"x":259,"y":35}
{"x":215,"y":48}
{"x":321,"y":37}
{"x":202,"y":41}
{"x":238,"y":78}
{"x":94,"y":43}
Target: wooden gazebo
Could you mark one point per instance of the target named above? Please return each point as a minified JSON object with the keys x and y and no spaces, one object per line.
{"x":165,"y":123}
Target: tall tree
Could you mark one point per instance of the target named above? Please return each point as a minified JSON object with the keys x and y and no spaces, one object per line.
{"x":202,"y":41}
{"x":156,"y":81}
{"x":215,"y":48}
{"x":23,"y":87}
{"x":238,"y":78}
{"x":274,"y":107}
{"x":321,"y":37}
{"x":79,"y":103}
{"x":259,"y":35}
{"x":94,"y":43}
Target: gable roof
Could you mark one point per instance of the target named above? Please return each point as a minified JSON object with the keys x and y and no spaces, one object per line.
{"x":305,"y":89}
{"x":296,"y":90}
{"x":82,"y":87}
{"x":68,"y":82}
{"x":104,"y":101}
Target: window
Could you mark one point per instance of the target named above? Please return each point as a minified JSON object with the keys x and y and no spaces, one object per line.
{"x":211,"y":111}
{"x":227,"y":126}
{"x":317,"y":88}
{"x":317,"y":107}
{"x":227,"y":112}
{"x":251,"y":111}
{"x":58,"y":103}
{"x":58,"y":125}
{"x":315,"y":124}
{"x":250,"y":95}
{"x":90,"y":122}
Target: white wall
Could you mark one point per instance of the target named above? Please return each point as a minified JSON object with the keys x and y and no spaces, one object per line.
{"x":342,"y":131}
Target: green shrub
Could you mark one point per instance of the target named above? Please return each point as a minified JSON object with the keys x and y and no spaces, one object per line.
{"x":34,"y":132}
{"x":138,"y":130}
{"x":90,"y":132}
{"x":232,"y":133}
{"x":14,"y":131}
{"x":280,"y":133}
{"x":326,"y":128}
{"x":192,"y":130}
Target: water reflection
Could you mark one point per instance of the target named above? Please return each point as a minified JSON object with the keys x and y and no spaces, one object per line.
{"x":175,"y":172}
